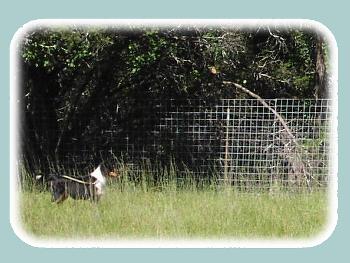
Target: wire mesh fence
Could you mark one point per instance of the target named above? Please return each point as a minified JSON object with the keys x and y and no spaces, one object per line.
{"x":239,"y":141}
{"x":242,"y":141}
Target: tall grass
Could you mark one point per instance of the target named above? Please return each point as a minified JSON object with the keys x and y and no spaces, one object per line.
{"x":137,"y":206}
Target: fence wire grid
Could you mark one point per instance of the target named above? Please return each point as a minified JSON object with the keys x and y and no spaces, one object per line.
{"x":236,"y":140}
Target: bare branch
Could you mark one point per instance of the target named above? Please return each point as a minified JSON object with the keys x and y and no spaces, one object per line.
{"x":296,"y":159}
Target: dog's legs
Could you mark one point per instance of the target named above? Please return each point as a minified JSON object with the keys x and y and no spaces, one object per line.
{"x":63,"y":197}
{"x":95,"y":197}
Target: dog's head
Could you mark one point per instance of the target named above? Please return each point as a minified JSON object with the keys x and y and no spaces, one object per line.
{"x":109,"y":170}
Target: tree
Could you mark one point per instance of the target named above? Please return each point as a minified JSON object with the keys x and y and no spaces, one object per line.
{"x":74,"y":78}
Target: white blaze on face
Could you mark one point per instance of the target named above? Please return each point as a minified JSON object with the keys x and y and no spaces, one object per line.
{"x":101,"y":181}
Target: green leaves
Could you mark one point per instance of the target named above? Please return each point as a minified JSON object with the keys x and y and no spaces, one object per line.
{"x":64,"y":50}
{"x":168,"y":60}
{"x":145,"y":51}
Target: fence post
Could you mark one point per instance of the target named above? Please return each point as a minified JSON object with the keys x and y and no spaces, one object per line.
{"x":226,"y":179}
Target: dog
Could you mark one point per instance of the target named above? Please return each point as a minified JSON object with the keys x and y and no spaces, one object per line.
{"x":90,"y":187}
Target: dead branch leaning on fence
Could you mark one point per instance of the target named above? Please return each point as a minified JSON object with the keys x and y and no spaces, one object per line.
{"x":294,"y":157}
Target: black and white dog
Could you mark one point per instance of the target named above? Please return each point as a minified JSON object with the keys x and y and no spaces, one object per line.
{"x":84,"y":187}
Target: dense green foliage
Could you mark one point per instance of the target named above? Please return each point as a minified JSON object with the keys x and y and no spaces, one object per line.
{"x":69,"y":73}
{"x":190,"y":61}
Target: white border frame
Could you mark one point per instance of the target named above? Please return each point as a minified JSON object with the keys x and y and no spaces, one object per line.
{"x":167,"y":243}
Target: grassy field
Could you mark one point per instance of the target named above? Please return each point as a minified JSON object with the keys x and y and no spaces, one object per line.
{"x":171,"y":212}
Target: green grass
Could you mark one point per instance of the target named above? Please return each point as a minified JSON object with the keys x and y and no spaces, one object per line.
{"x":176,"y":212}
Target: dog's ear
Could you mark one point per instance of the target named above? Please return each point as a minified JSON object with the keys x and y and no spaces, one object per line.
{"x":105,"y":168}
{"x":102,"y":167}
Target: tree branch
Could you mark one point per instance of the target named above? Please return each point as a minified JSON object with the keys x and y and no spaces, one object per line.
{"x":263,"y":102}
{"x":298,"y":162}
